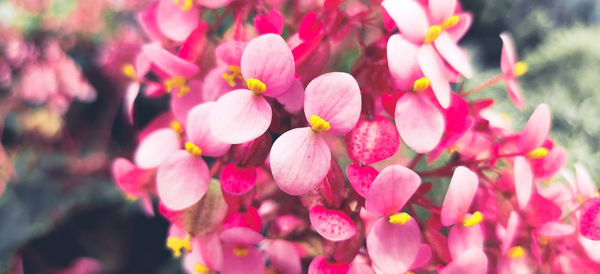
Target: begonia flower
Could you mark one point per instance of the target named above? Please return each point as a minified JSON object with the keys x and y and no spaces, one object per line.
{"x":512,"y":69}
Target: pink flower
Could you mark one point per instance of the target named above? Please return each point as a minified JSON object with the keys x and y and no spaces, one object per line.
{"x":240,"y":255}
{"x":512,"y":69}
{"x":300,"y":158}
{"x":589,"y":222}
{"x":267,"y":65}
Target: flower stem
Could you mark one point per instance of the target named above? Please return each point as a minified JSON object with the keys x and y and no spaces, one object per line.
{"x":485,"y":85}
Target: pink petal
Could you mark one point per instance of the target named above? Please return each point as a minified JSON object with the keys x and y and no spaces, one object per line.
{"x":207,"y":251}
{"x":270,"y":23}
{"x":148,"y":23}
{"x":372,"y":141}
{"x":423,"y":256}
{"x":585,"y":185}
{"x":410,"y":17}
{"x":214,"y":4}
{"x":300,"y":159}
{"x":241,"y":235}
{"x":198,"y":131}
{"x":440,"y":10}
{"x":284,"y":256}
{"x":168,"y":62}
{"x":293,"y":99}
{"x":215,"y":86}
{"x":156,"y":147}
{"x":252,"y":263}
{"x":131,"y":93}
{"x":182,"y":180}
{"x":320,"y":265}
{"x":333,"y":225}
{"x":240,"y":116}
{"x":472,"y":261}
{"x":461,"y":191}
{"x":457,"y":32}
{"x":237,"y":180}
{"x":536,"y":130}
{"x":269,"y":59}
{"x":231,"y":52}
{"x":175,"y":23}
{"x":589,"y":221}
{"x":393,"y":248}
{"x":462,"y":238}
{"x":402,"y":62}
{"x":433,"y":67}
{"x":361,"y":178}
{"x":391,"y":190}
{"x":548,"y":166}
{"x":523,"y":181}
{"x":508,"y":57}
{"x":514,"y":92}
{"x":180,"y":106}
{"x":360,"y":268}
{"x":129,"y":177}
{"x":556,"y":229}
{"x":453,"y":54}
{"x":335,"y":97}
{"x":592,"y":248}
{"x":420,"y":123}
{"x":511,"y":231}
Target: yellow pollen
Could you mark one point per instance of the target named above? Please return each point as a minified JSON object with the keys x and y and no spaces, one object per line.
{"x":177,"y":82}
{"x":318,"y":124}
{"x":409,"y":272}
{"x":187,"y":4}
{"x":240,"y":251}
{"x":453,"y":149}
{"x":421,"y":84}
{"x":543,"y":240}
{"x":432,"y":33}
{"x":176,"y":244}
{"x":399,"y":219}
{"x":193,"y":149}
{"x":235,"y":73}
{"x":130,"y":198}
{"x":256,"y":86}
{"x":177,"y":127}
{"x":538,"y":153}
{"x":476,"y":218}
{"x":270,"y":270}
{"x":515,"y":252}
{"x":520,"y":69}
{"x":129,"y":71}
{"x":200,"y":268}
{"x":450,"y":22}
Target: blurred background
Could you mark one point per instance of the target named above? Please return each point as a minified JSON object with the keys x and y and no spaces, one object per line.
{"x":60,"y":203}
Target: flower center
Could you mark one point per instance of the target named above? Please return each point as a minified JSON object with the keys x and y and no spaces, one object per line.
{"x":476,"y":218}
{"x":434,"y":31}
{"x":235,"y":72}
{"x":520,"y":69}
{"x":193,"y":149}
{"x":129,"y":71}
{"x":515,"y":252}
{"x":450,"y":22}
{"x":179,"y":83}
{"x":399,"y":219}
{"x":200,"y":268}
{"x":538,"y":153}
{"x":256,"y":86}
{"x":187,"y":4}
{"x":240,"y":251}
{"x":319,"y":124}
{"x":421,"y":84}
{"x":177,"y":127}
{"x":176,"y":244}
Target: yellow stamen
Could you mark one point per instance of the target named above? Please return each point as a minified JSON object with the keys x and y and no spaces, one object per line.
{"x":453,"y":149}
{"x":515,"y":252}
{"x":200,"y":268}
{"x":319,"y":124}
{"x":538,"y":153}
{"x":130,"y":198}
{"x":399,"y":219}
{"x":476,"y":218}
{"x":193,"y":149}
{"x":240,"y":251}
{"x":520,"y":69}
{"x":409,"y":272}
{"x":432,"y":33}
{"x":450,"y":22}
{"x":177,"y":127}
{"x":235,"y":73}
{"x":176,"y":244}
{"x":543,"y":240}
{"x":421,"y":84}
{"x":177,"y":82}
{"x":187,"y":4}
{"x":256,"y":86}
{"x":129,"y":71}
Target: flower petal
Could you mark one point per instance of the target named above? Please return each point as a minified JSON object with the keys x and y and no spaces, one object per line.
{"x":514,"y":92}
{"x":320,"y":265}
{"x":156,"y":147}
{"x":251,"y":263}
{"x":168,"y":62}
{"x":453,"y":54}
{"x":182,"y":180}
{"x":433,"y":68}
{"x":293,"y":99}
{"x":393,"y":248}
{"x":585,"y":185}
{"x":284,"y":256}
{"x":175,"y":23}
{"x":589,"y":221}
{"x":457,"y":32}
{"x":240,"y":116}
{"x":333,"y":225}
{"x":269,"y":59}
{"x":372,"y":141}
{"x":391,"y":190}
{"x":536,"y":130}
{"x":129,"y":177}
{"x":361,"y":178}
{"x":440,"y":10}
{"x":131,"y":93}
{"x":511,"y":231}
{"x":148,"y":23}
{"x":237,"y":180}
{"x":335,"y":97}
{"x":461,"y":191}
{"x":523,"y":181}
{"x":241,"y":235}
{"x":508,"y":57}
{"x":556,"y":229}
{"x":410,"y":17}
{"x":420,"y":123}
{"x":231,"y":52}
{"x":402,"y":62}
{"x":471,"y":261}
{"x":181,"y":105}
{"x":300,"y":159}
{"x":462,"y":238}
{"x":214,"y":85}
{"x":198,"y":131}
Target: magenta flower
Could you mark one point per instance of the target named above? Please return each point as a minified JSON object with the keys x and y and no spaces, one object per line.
{"x":241,"y":115}
{"x":589,"y":221}
{"x":512,"y":69}
{"x":300,"y":158}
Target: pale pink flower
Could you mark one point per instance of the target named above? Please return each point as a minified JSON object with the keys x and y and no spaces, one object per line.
{"x":512,"y":69}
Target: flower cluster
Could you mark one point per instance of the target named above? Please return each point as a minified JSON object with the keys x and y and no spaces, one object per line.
{"x":269,"y":160}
